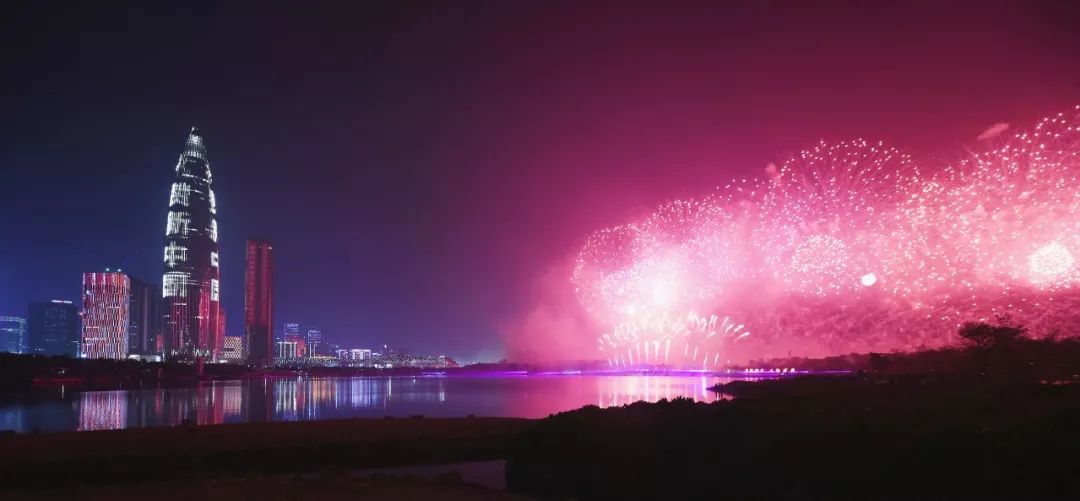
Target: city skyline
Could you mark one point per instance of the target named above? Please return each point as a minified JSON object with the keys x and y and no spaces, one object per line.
{"x":525,"y":250}
{"x":426,"y":182}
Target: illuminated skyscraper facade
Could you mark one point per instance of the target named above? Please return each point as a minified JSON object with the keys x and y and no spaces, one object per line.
{"x":233,"y":348}
{"x":314,"y":342}
{"x":12,"y":334}
{"x":259,"y":303}
{"x":191,"y":285}
{"x":54,"y":328}
{"x":105,"y":315}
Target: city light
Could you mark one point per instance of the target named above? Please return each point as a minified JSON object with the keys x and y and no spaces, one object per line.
{"x":191,"y":285}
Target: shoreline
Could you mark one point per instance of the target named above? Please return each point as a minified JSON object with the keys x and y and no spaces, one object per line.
{"x":860,"y":437}
{"x":142,"y":455}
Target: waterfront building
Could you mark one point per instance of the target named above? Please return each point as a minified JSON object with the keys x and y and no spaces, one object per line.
{"x":12,"y":334}
{"x":233,"y":348}
{"x":359,"y":354}
{"x":286,"y":350}
{"x":259,"y":302}
{"x":301,"y":345}
{"x":145,"y":317}
{"x":292,"y":335}
{"x":191,"y":286}
{"x":314,"y":342}
{"x":106,"y":315}
{"x":54,"y":328}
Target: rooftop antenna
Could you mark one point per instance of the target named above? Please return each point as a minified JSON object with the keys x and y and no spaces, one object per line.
{"x":123,"y":264}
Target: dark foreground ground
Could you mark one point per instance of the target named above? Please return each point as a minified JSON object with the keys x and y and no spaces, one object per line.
{"x":301,"y":460}
{"x":872,"y":437}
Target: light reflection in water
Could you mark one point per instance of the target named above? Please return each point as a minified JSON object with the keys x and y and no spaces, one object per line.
{"x":103,"y":410}
{"x":303,"y":399}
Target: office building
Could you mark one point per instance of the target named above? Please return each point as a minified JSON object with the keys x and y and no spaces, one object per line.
{"x":106,"y":315}
{"x":145,"y":316}
{"x":54,"y":328}
{"x":12,"y":334}
{"x":191,"y":286}
{"x":259,"y":302}
{"x":314,"y":342}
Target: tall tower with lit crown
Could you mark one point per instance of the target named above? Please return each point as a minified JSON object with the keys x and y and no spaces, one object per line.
{"x":191,"y":285}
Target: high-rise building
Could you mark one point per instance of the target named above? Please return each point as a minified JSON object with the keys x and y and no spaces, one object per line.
{"x":191,"y":285}
{"x":106,"y":315}
{"x":285,"y":350}
{"x":233,"y":348}
{"x":12,"y":334}
{"x":145,"y":317}
{"x":292,"y":335}
{"x":314,"y":342}
{"x":259,"y":303}
{"x":222,"y":323}
{"x":54,"y":328}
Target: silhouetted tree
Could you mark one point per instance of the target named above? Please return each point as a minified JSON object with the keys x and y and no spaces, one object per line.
{"x":879,"y":363}
{"x":984,"y":335}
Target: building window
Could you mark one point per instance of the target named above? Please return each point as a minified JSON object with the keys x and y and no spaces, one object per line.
{"x":174,"y":284}
{"x":178,"y":223}
{"x":214,"y":259}
{"x":175,"y":254}
{"x":213,"y":230}
{"x":181,"y":194}
{"x":214,"y":290}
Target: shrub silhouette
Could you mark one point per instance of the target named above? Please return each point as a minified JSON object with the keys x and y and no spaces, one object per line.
{"x":986,"y":336}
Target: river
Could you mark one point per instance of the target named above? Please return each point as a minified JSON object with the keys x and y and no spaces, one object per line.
{"x":301,"y":399}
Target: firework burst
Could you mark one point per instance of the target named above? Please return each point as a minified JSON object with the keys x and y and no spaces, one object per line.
{"x":847,"y":247}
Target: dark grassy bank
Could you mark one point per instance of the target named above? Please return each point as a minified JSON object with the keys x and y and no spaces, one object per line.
{"x":981,"y":348}
{"x":816,"y":438}
{"x":69,"y":460}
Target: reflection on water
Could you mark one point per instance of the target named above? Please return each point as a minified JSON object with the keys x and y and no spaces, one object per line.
{"x":103,"y":410}
{"x":305,"y":399}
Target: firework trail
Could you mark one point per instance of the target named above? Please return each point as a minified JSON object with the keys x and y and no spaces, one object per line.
{"x":847,"y":247}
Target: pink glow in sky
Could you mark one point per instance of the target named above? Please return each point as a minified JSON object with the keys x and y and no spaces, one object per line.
{"x":846,"y":247}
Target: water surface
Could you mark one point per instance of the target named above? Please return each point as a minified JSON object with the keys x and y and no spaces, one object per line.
{"x":303,"y":399}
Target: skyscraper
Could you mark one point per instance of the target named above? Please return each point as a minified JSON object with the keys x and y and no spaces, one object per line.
{"x":233,"y":348}
{"x":12,"y":334}
{"x":191,"y":284}
{"x":106,"y":318}
{"x":314,"y":342}
{"x":259,"y":302}
{"x":145,"y":317}
{"x":292,"y":335}
{"x":54,"y":328}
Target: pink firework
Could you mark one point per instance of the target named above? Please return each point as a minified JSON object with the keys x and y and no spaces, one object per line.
{"x":846,"y":248}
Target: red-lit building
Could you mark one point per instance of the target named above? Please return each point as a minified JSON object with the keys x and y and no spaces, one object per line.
{"x":300,"y":350}
{"x":259,"y":303}
{"x":105,"y":315}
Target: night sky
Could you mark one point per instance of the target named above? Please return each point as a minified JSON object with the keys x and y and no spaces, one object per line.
{"x":422,"y":168}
